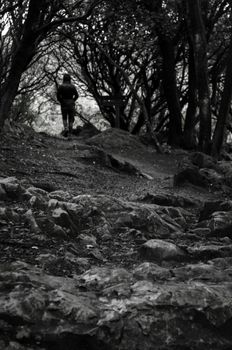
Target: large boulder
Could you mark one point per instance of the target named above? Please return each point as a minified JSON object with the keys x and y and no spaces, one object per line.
{"x":158,"y":250}
{"x":169,"y":200}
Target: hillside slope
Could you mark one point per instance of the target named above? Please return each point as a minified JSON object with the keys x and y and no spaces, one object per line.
{"x":106,"y":244}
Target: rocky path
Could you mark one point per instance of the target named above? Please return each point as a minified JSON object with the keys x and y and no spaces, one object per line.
{"x":99,"y":249}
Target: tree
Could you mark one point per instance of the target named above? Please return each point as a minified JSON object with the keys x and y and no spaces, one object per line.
{"x":166,"y":58}
{"x":220,"y":128}
{"x":105,"y":53}
{"x":198,"y":38}
{"x":29,"y":24}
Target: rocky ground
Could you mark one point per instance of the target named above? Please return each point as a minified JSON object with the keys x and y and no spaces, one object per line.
{"x":106,"y":244}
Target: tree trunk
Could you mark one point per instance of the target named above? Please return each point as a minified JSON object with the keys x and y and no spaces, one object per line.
{"x":198,"y":38}
{"x":170,"y":90}
{"x":139,"y":124}
{"x":22,"y":57}
{"x":220,"y":128}
{"x":189,"y":140}
{"x":19,"y":65}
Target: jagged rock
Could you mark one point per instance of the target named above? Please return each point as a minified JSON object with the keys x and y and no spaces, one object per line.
{"x":98,"y":156}
{"x":64,"y":263}
{"x":222,"y":263}
{"x":177,"y":214}
{"x":47,"y":225}
{"x":220,"y":219}
{"x":203,"y":160}
{"x":102,"y":277}
{"x":103,"y":230}
{"x":61,"y":196}
{"x":88,"y":240}
{"x":13,"y":345}
{"x":100,"y":202}
{"x":210,"y":251}
{"x":37,"y":197}
{"x":213,"y":177}
{"x":151,"y":271}
{"x":83,"y":263}
{"x":46,"y":186}
{"x":58,"y":232}
{"x":62,"y":218}
{"x":191,"y":175}
{"x":211,"y":206}
{"x":9,"y":215}
{"x":38,"y":203}
{"x":228,"y":179}
{"x":168,"y":200}
{"x":137,"y":235}
{"x":125,"y":166}
{"x":118,"y":213}
{"x":219,"y":223}
{"x":224,"y":230}
{"x":126,"y":219}
{"x":202,"y":271}
{"x":158,"y":250}
{"x":11,"y":187}
{"x":34,"y":191}
{"x":115,"y":311}
{"x":151,"y":223}
{"x":30,"y":219}
{"x":53,"y":203}
{"x":95,"y":253}
{"x":80,"y":216}
{"x":225,"y":167}
{"x":200,"y":231}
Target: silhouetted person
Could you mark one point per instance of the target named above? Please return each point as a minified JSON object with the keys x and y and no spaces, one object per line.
{"x":67,"y":95}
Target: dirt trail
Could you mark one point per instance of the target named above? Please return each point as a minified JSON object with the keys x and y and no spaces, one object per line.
{"x":70,"y":164}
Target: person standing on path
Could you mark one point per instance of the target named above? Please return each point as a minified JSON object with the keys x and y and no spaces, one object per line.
{"x":67,"y":95}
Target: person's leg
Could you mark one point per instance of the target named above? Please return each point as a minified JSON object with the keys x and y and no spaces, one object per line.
{"x":71,"y":119}
{"x":65,"y":121}
{"x":65,"y":118}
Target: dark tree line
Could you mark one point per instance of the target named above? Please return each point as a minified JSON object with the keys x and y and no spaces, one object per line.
{"x":169,"y":62}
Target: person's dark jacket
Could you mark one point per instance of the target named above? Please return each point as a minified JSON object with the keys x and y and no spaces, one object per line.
{"x":67,"y":94}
